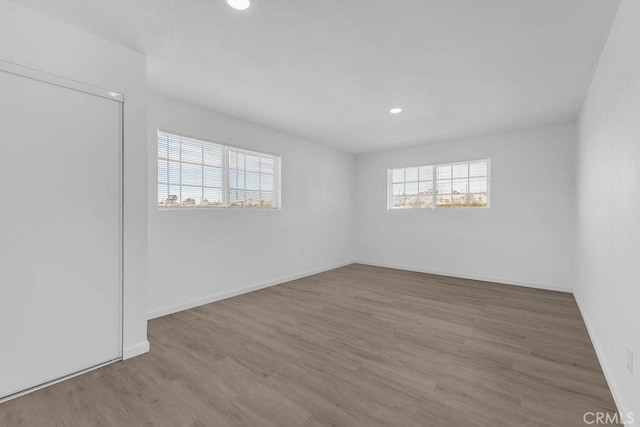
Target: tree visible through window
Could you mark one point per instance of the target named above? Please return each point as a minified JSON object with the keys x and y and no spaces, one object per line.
{"x":453,"y":185}
{"x":195,"y":173}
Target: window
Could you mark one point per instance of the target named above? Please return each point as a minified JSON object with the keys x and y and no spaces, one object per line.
{"x":412,"y":187}
{"x":195,"y":173}
{"x":444,"y":186}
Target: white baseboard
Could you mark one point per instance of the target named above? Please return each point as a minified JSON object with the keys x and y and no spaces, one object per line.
{"x":472,"y":277}
{"x":224,"y":295}
{"x":600,"y":355}
{"x":135,"y":350}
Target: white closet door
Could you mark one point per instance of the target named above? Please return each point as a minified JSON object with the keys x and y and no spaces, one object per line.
{"x":60,"y":232}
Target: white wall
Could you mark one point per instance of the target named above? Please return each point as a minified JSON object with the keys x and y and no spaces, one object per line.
{"x":200,"y":255}
{"x":525,"y":238}
{"x":608,"y":226}
{"x":33,"y":40}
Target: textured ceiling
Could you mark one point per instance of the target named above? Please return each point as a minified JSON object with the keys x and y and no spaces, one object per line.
{"x":328,"y":71}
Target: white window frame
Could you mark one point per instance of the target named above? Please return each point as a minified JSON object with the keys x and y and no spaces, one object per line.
{"x":434,"y":179}
{"x":226,"y":149}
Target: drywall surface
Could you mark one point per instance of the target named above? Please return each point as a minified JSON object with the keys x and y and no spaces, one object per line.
{"x":526,"y":236}
{"x":200,"y":255}
{"x":608,"y":214}
{"x":35,"y":41}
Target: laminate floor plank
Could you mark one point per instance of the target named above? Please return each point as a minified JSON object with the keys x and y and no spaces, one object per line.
{"x":355,"y":346}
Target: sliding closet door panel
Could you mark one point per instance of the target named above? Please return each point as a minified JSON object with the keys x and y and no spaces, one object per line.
{"x":60,"y":231}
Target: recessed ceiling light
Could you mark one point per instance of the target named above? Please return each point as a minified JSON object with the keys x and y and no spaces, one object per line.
{"x":239,"y":4}
{"x":395,"y":110}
